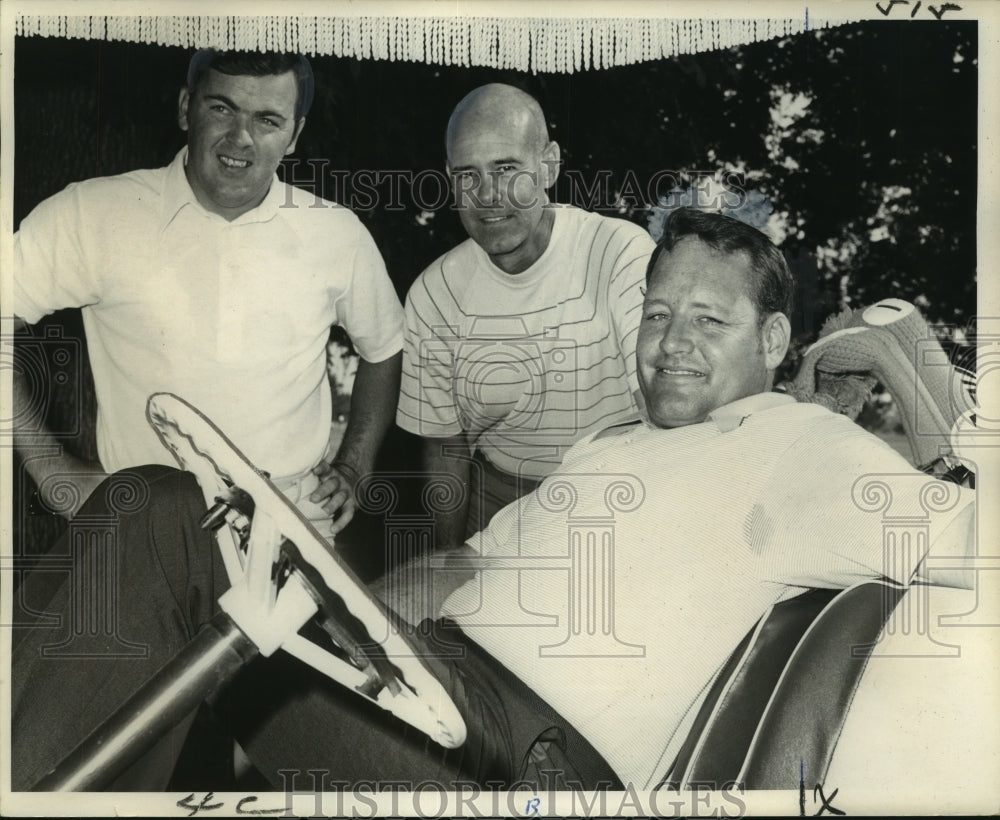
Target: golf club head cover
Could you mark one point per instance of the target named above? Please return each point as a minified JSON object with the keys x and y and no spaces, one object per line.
{"x":891,"y":343}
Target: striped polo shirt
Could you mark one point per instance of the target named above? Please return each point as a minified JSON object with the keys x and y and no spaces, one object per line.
{"x":527,"y":364}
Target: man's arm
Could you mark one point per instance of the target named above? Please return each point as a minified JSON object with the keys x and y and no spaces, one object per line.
{"x":373,"y":408}
{"x":449,"y":456}
{"x":82,"y":477}
{"x":418,"y":589}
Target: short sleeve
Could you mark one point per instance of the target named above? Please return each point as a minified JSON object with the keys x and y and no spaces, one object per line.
{"x":631,"y":250}
{"x":50,"y":265}
{"x":843,"y":507}
{"x":426,"y":397}
{"x":369,"y":310}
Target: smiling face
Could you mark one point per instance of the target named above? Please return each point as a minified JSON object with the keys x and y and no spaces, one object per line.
{"x":700,"y":343}
{"x":501,"y":164}
{"x":239,"y":127}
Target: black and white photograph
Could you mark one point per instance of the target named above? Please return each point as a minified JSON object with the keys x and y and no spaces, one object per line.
{"x":476,"y":409}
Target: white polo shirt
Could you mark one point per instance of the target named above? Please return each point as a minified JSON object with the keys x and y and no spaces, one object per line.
{"x":619,"y":587}
{"x":232,"y":316}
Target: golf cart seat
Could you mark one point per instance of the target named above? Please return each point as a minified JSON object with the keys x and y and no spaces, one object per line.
{"x":858,"y":690}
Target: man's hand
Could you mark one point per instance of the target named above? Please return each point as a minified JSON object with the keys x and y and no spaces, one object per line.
{"x":373,"y":407}
{"x":65,"y":488}
{"x":335,"y":493}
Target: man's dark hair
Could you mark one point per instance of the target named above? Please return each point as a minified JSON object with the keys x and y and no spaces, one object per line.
{"x":255,"y":64}
{"x":772,"y":286}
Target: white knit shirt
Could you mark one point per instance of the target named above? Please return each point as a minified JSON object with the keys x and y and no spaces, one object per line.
{"x":233,"y":316}
{"x":618,"y":588}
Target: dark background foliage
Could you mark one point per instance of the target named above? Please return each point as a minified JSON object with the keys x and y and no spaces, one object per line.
{"x":863,"y":137}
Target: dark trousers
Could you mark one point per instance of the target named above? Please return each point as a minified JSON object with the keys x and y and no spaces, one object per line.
{"x":492,"y":489}
{"x":94,"y":635}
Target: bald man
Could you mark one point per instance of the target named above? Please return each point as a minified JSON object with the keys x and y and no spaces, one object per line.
{"x":521,"y":340}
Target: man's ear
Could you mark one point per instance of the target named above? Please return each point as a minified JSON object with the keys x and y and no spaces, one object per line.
{"x":182,"y":109}
{"x":551,"y":160}
{"x":775,"y":336}
{"x":299,"y":125}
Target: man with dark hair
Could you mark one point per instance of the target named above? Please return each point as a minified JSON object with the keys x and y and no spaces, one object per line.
{"x":771,"y":285}
{"x":727,"y":500}
{"x":254,"y":64}
{"x":213,"y":280}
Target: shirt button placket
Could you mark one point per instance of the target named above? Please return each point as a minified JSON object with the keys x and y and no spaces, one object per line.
{"x":230,"y":335}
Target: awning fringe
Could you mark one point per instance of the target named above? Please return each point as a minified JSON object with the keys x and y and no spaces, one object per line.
{"x":535,"y":44}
